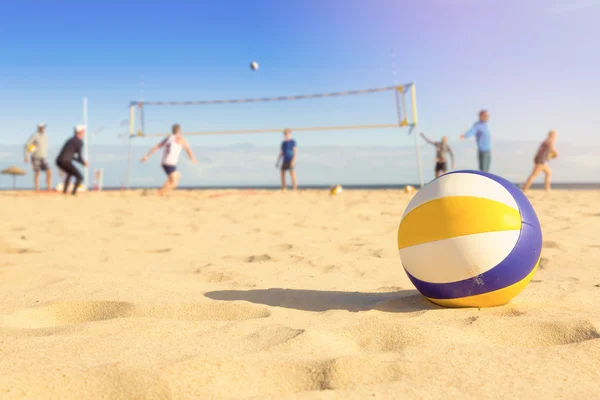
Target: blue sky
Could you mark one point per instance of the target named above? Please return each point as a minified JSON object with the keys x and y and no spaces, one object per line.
{"x":533,"y":64}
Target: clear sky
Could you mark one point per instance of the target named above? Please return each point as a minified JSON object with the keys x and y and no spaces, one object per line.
{"x":532,"y":63}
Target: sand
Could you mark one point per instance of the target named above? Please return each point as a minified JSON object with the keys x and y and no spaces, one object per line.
{"x":232,"y":294}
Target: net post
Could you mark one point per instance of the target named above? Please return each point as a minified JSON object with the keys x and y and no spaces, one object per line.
{"x":98,"y":178}
{"x":131,"y":119}
{"x":397,"y":92}
{"x":413,"y":125}
{"x":129,"y":137}
{"x":413,"y":98}
{"x":418,"y":152}
{"x":142,"y":129}
{"x":86,"y":175}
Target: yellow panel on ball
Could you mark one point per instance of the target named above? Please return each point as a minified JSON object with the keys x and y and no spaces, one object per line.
{"x":470,"y":239}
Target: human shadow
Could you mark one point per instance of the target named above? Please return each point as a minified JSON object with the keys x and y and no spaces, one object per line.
{"x":317,"y":300}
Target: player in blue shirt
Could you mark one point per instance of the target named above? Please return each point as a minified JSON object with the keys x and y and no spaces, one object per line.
{"x":482,"y":134}
{"x":288,"y":153}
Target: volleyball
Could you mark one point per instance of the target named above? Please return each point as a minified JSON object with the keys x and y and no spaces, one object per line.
{"x":470,"y":239}
{"x":335,"y":190}
{"x":254,"y":65}
{"x":552,"y":155}
{"x":31,"y":148}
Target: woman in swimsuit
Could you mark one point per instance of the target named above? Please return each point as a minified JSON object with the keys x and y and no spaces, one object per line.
{"x":546,"y":151}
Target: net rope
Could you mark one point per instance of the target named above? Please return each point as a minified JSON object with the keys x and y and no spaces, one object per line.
{"x":400,"y":88}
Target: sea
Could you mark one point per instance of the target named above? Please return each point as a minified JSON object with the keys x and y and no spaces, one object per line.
{"x":535,"y":186}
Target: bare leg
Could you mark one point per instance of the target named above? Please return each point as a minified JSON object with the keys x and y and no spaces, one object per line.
{"x":170,"y":184}
{"x":536,"y":171}
{"x":294,"y":181}
{"x":36,"y":180}
{"x":49,"y":179}
{"x":175,"y":179}
{"x":548,"y":172}
{"x":283,"y":180}
{"x":166,"y":186}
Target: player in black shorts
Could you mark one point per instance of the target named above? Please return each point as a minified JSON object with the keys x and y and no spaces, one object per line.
{"x":288,"y":154}
{"x":441,"y":148}
{"x":70,"y":152}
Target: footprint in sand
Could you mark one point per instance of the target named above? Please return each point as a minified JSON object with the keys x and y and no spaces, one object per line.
{"x":506,"y":311}
{"x":199,"y":270}
{"x":326,"y":268}
{"x":17,"y":246}
{"x":70,"y":313}
{"x":259,"y":258}
{"x":350,"y":248}
{"x":543,"y":262}
{"x":295,"y":258}
{"x":160,"y":251}
{"x":254,"y":377}
{"x":383,"y":336}
{"x":271,"y":336}
{"x":549,"y":244}
{"x":378,"y":253}
{"x":531,"y":332}
{"x":217,"y":276}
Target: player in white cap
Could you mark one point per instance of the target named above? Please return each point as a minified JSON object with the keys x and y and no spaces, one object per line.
{"x":37,"y":147}
{"x":70,"y":152}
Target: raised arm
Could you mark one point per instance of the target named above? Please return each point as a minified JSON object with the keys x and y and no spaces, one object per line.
{"x":427,"y":140}
{"x":155,"y":149}
{"x":469,"y":133}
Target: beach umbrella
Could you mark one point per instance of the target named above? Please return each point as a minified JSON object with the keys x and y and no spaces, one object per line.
{"x":14,"y":171}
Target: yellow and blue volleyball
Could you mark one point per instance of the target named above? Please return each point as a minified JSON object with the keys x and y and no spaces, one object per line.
{"x":470,"y":239}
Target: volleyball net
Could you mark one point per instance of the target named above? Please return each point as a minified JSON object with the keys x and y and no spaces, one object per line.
{"x":148,"y":118}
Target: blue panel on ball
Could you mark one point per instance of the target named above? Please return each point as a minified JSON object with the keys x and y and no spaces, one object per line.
{"x":528,"y":214}
{"x":516,"y":266}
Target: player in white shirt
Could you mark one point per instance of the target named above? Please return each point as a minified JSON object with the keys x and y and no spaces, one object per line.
{"x":173,"y":146}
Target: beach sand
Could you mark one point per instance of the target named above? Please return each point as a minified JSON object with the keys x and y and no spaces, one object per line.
{"x":231,"y":294}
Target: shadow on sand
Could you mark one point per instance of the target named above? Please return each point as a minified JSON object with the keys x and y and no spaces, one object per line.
{"x":316,"y":300}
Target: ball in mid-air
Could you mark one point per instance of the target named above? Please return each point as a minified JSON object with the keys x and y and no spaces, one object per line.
{"x":254,"y":65}
{"x":470,"y":239}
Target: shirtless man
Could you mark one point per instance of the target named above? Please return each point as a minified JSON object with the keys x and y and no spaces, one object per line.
{"x":173,"y":146}
{"x":546,"y":151}
{"x":441,"y":148}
